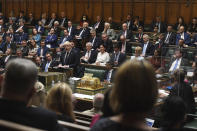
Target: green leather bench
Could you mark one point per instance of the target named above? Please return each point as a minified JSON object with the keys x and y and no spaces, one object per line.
{"x":100,"y":73}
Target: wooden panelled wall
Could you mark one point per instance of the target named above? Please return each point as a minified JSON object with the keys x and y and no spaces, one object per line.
{"x":118,"y":9}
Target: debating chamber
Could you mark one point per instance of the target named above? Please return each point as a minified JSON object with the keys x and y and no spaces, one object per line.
{"x":98,"y":65}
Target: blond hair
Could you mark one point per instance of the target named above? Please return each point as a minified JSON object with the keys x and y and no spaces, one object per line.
{"x":59,"y":99}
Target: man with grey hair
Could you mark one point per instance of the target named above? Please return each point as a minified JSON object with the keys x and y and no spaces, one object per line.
{"x":17,"y":90}
{"x":95,"y":40}
{"x":147,"y":47}
{"x":97,"y":105}
{"x":89,"y":56}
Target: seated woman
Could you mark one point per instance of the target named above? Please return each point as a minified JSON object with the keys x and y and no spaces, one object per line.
{"x":110,"y":32}
{"x":155,"y":34}
{"x":102,"y":57}
{"x":33,"y":48}
{"x":133,"y":95}
{"x":138,"y":54}
{"x":59,"y":100}
{"x":36,"y":36}
{"x":157,"y":61}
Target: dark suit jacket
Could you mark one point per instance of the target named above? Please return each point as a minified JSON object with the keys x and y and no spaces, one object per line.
{"x":121,"y":59}
{"x":46,"y":49}
{"x":100,"y":27}
{"x":135,"y":28}
{"x":73,"y":31}
{"x":96,"y":43}
{"x":186,"y":93}
{"x":129,"y":35}
{"x":140,"y":37}
{"x":41,"y":29}
{"x":25,"y":50}
{"x":20,"y":37}
{"x":176,"y":26}
{"x":85,"y":34}
{"x":49,"y":20}
{"x":128,"y":47}
{"x":2,"y":61}
{"x":130,"y":26}
{"x":53,"y":63}
{"x":162,"y":26}
{"x":32,"y":22}
{"x":12,"y":46}
{"x":184,"y":62}
{"x":51,"y":40}
{"x":172,"y":38}
{"x":31,"y":116}
{"x":65,"y":22}
{"x":92,"y":58}
{"x":69,"y":38}
{"x":57,"y":31}
{"x":109,"y":45}
{"x":187,"y":38}
{"x":150,"y":49}
{"x":73,"y":59}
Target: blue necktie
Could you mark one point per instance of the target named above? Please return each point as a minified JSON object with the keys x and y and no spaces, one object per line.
{"x":46,"y":67}
{"x":175,"y":66}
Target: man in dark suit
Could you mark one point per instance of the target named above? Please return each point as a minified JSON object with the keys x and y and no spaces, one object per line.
{"x":89,"y":56}
{"x":31,"y":20}
{"x":24,"y":48}
{"x":51,"y":20}
{"x":117,"y":57}
{"x":51,"y":39}
{"x":42,"y":50}
{"x":137,"y":23}
{"x":183,"y":35}
{"x":40,"y":28}
{"x":56,"y":28}
{"x":6,"y":58}
{"x":21,"y":26}
{"x":63,"y":21}
{"x":8,"y":44}
{"x":19,"y":37}
{"x":147,"y":46}
{"x":49,"y":62}
{"x":95,"y":40}
{"x":139,"y":35}
{"x":65,"y":38}
{"x":71,"y":29}
{"x":69,"y":58}
{"x":107,"y":43}
{"x":126,"y":32}
{"x":170,"y":37}
{"x":2,"y":25}
{"x":177,"y":61}
{"x":184,"y":90}
{"x":11,"y":24}
{"x":99,"y":25}
{"x":129,"y":22}
{"x":125,"y":47}
{"x":17,"y":90}
{"x":161,"y":25}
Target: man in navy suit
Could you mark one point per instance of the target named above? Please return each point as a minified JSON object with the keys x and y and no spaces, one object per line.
{"x":117,"y":57}
{"x":65,"y":38}
{"x":63,"y":21}
{"x":17,"y":90}
{"x":49,"y":62}
{"x":183,"y":35}
{"x":89,"y":56}
{"x":69,"y":58}
{"x":40,"y":28}
{"x":139,"y":35}
{"x":42,"y":50}
{"x":19,"y":37}
{"x":95,"y":40}
{"x":99,"y":25}
{"x":71,"y":29}
{"x":51,"y":39}
{"x":161,"y":25}
{"x":170,"y":37}
{"x":147,"y":46}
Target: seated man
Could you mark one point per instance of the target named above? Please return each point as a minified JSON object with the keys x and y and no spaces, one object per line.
{"x":65,"y":38}
{"x":125,"y":47}
{"x":117,"y":57}
{"x":17,"y":90}
{"x":147,"y":46}
{"x":42,"y":50}
{"x":19,"y":37}
{"x":89,"y":56}
{"x":183,"y":35}
{"x":126,"y":32}
{"x":49,"y":62}
{"x":6,"y":58}
{"x":139,"y":35}
{"x":24,"y":48}
{"x":95,"y":40}
{"x":51,"y":39}
{"x":97,"y":105}
{"x":177,"y":61}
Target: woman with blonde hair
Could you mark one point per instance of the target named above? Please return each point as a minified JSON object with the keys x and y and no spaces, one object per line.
{"x":59,"y":100}
{"x":132,"y":98}
{"x":138,"y":53}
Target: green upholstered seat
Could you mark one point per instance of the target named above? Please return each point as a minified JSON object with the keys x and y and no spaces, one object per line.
{"x":100,"y":73}
{"x":46,"y":32}
{"x":29,"y":31}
